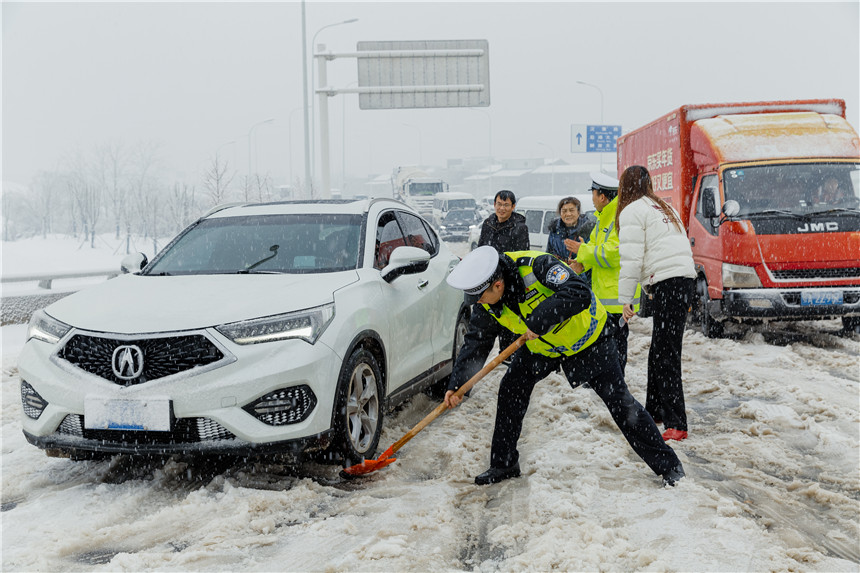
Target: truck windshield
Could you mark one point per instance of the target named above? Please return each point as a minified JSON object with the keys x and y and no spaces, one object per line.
{"x":800,"y":189}
{"x":424,"y":188}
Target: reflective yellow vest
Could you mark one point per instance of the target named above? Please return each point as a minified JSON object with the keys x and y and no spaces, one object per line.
{"x":567,"y":337}
{"x":600,"y":254}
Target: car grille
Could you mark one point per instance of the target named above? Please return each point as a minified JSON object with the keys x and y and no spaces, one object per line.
{"x":809,"y":274}
{"x":161,"y":356}
{"x":185,"y":431}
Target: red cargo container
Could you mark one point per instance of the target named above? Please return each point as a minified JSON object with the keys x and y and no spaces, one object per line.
{"x":783,"y":246}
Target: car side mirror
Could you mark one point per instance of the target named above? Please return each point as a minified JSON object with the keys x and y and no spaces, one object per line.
{"x":405,"y":261}
{"x":709,"y":203}
{"x":731,"y":208}
{"x":133,"y":263}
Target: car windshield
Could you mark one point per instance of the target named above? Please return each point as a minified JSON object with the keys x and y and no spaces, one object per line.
{"x":461,"y":217}
{"x":424,"y":188}
{"x":293,"y":244}
{"x":799,"y":189}
{"x":461,"y":204}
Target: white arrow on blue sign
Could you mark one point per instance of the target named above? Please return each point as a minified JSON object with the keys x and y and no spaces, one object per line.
{"x":593,"y":138}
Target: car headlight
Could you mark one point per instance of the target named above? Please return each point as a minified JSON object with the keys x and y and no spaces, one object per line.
{"x":305,"y":324}
{"x":441,"y":227}
{"x":46,"y":328}
{"x":739,"y":276}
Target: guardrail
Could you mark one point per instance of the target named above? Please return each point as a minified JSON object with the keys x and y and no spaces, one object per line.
{"x":16,"y":308}
{"x":45,"y":280}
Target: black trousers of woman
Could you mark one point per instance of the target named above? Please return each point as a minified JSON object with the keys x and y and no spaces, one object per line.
{"x":664,"y":398}
{"x":598,"y":366}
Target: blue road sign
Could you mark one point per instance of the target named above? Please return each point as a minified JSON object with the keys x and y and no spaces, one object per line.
{"x":602,"y":138}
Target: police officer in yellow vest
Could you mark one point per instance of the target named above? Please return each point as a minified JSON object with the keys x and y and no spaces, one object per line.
{"x":534,"y":293}
{"x":600,"y":256}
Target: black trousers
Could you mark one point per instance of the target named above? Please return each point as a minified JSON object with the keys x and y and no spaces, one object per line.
{"x":619,"y":334}
{"x":664,"y":398}
{"x":598,"y":366}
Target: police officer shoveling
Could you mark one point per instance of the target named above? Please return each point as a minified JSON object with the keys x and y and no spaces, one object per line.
{"x":534,"y":293}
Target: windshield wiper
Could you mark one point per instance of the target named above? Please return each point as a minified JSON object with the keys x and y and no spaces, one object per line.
{"x":778,"y":212}
{"x":273,"y":249}
{"x":837,"y":210}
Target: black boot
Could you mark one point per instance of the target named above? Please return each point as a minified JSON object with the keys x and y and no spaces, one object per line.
{"x":495,"y":475}
{"x":672,"y":476}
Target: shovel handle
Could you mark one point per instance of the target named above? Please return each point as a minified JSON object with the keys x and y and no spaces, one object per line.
{"x":459,"y":393}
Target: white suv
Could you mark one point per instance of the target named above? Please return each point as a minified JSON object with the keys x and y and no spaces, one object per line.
{"x":283,"y":327}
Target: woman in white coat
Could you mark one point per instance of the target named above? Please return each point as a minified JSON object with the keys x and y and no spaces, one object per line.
{"x":655,"y":252}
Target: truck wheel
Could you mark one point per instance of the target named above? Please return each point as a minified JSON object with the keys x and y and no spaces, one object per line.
{"x":358,"y":410}
{"x":851,"y":323}
{"x":711,"y":328}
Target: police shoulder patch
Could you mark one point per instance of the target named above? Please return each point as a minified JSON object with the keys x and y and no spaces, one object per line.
{"x":557,"y":275}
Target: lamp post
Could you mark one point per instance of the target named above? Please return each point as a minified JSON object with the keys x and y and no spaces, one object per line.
{"x":552,"y":166}
{"x":270,"y":120}
{"x":290,"y":142}
{"x":600,"y":91}
{"x":420,"y":157}
{"x":313,"y":87}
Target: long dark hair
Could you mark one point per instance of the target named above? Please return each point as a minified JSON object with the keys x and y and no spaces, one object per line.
{"x":634,"y":184}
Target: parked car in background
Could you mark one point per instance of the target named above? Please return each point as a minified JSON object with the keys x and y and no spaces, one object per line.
{"x":451,"y":201}
{"x":457,"y":225}
{"x":286,"y":327}
{"x":541,"y":210}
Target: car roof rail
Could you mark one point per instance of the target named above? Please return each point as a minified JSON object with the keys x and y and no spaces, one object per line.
{"x":223,"y":206}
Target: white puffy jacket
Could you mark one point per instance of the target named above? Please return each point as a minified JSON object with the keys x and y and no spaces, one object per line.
{"x":651,"y":247}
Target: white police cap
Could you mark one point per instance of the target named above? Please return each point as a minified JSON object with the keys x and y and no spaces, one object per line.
{"x":475,"y":272}
{"x":602,"y":181}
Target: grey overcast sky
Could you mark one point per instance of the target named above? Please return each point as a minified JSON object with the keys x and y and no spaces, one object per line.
{"x":194,"y":77}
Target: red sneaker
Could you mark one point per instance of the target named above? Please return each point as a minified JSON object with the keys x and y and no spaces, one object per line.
{"x":673,"y":434}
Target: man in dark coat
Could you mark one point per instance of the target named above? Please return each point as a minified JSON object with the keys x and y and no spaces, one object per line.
{"x":505,"y":231}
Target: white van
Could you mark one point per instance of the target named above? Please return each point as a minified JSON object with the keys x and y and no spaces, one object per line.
{"x":540,"y":210}
{"x":451,"y":201}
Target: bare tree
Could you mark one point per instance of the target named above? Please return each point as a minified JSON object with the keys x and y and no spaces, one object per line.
{"x":43,"y":192}
{"x":181,"y":206}
{"x":111,"y":166}
{"x":87,"y":195}
{"x":216,"y":181}
{"x":143,"y":187}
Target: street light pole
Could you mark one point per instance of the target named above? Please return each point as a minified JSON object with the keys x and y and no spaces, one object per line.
{"x":600,"y":91}
{"x":290,"y":143}
{"x":420,"y":155}
{"x":308,"y":184}
{"x":552,"y":166}
{"x":313,"y":87}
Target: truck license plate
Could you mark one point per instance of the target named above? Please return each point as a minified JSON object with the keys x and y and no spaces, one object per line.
{"x":151,"y":414}
{"x":820,"y":297}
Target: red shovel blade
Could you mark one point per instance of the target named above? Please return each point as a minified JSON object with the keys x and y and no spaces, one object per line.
{"x":368,"y":466}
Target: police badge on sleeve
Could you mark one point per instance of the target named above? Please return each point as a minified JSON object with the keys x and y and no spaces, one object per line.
{"x":557,"y":275}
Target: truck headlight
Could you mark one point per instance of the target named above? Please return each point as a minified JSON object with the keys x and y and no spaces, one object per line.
{"x":739,"y":276}
{"x":46,"y":328}
{"x":305,"y":324}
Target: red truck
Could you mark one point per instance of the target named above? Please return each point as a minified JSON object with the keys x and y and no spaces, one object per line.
{"x":769,"y":195}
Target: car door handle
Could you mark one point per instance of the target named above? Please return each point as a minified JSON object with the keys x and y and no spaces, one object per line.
{"x":423,"y":283}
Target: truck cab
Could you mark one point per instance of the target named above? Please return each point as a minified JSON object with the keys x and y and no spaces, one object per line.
{"x":769,"y":194}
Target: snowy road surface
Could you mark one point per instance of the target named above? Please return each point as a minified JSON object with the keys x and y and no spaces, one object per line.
{"x":772,"y":464}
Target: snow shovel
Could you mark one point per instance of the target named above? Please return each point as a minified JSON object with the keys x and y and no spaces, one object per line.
{"x":368,"y":466}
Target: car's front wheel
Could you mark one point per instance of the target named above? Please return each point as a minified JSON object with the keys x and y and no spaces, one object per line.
{"x":358,"y":418}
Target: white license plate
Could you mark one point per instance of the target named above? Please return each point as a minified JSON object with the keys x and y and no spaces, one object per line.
{"x":820,"y":297}
{"x":151,"y":414}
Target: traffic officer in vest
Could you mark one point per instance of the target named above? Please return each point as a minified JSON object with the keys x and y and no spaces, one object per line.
{"x":600,"y":256}
{"x":533,"y":293}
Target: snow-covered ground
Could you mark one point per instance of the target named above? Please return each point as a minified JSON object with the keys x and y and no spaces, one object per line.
{"x":772,"y":461}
